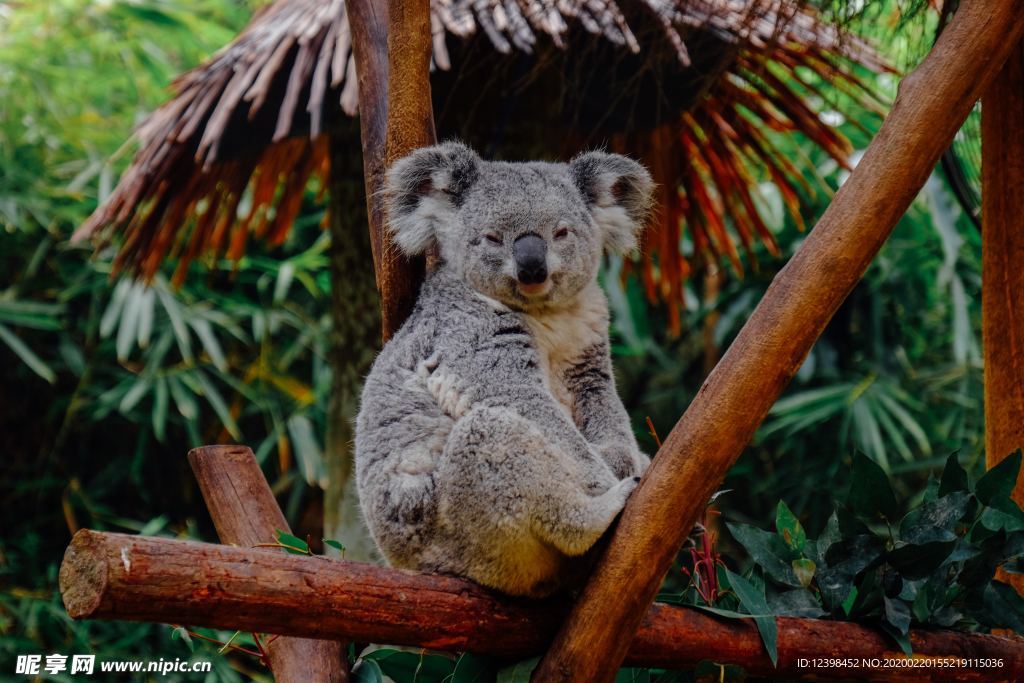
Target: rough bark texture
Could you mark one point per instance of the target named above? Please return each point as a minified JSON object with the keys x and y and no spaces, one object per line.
{"x":410,"y":118}
{"x":395,"y":117}
{"x":354,"y":341}
{"x":117,"y":576}
{"x":932,"y":103}
{"x":1002,"y":262}
{"x":410,"y":110}
{"x":245,"y":513}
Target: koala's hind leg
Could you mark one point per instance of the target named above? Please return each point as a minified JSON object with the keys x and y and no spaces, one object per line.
{"x":501,"y":479}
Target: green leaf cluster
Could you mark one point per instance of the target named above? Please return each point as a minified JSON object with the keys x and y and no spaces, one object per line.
{"x":934,"y":565}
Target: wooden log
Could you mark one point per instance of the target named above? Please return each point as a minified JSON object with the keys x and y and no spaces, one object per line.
{"x":1002,"y":262}
{"x":245,"y":513}
{"x":137,"y":578}
{"x":392,"y":46}
{"x":932,"y":103}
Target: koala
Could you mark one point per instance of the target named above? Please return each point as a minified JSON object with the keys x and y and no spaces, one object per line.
{"x":490,"y":441}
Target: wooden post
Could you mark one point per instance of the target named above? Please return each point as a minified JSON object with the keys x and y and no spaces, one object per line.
{"x":1002,"y":262}
{"x":932,"y":103}
{"x":138,"y":578}
{"x":392,"y":46}
{"x":245,"y":513}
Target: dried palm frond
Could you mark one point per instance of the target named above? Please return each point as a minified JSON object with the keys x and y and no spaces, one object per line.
{"x":228,"y":157}
{"x":705,"y":162}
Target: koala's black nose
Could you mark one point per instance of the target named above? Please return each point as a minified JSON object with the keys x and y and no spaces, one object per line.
{"x":531,"y":255}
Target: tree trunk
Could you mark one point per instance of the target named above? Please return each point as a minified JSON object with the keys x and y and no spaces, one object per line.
{"x":137,"y":578}
{"x":354,"y":341}
{"x":932,"y":104}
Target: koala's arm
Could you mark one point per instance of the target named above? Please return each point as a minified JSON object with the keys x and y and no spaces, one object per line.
{"x":502,"y":371}
{"x":599,"y":413}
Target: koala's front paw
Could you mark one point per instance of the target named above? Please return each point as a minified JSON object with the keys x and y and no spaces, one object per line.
{"x":619,"y":494}
{"x":625,"y":461}
{"x":642,"y":461}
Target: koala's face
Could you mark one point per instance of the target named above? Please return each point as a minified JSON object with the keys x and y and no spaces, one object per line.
{"x":529,"y":235}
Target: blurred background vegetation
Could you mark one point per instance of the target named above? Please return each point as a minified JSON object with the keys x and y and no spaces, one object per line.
{"x":107,"y":383}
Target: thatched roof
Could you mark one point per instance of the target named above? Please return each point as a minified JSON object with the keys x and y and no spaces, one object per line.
{"x":245,"y":128}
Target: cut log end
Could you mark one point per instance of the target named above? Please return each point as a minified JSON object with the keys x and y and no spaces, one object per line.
{"x":83,"y":576}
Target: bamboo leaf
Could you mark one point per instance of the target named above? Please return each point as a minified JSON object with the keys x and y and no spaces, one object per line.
{"x":132,"y":397}
{"x":113,"y":311}
{"x":27,"y":356}
{"x":127,"y":331}
{"x":210,"y":344}
{"x":159,"y":414}
{"x":146,"y":314}
{"x":283,"y":282}
{"x":177,"y":319}
{"x":306,"y":449}
{"x":187,"y":406}
{"x":220,"y":407}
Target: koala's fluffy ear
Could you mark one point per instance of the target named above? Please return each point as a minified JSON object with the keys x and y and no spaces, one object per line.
{"x":424,"y":188}
{"x":619,"y":193}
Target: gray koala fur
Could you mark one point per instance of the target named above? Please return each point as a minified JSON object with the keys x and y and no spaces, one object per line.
{"x":490,"y":441}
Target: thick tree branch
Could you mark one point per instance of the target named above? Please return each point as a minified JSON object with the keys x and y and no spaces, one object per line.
{"x":245,"y":513}
{"x":136,"y":578}
{"x":933,"y":102}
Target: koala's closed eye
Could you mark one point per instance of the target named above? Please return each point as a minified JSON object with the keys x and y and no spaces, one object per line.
{"x":493,"y":238}
{"x":561,"y":233}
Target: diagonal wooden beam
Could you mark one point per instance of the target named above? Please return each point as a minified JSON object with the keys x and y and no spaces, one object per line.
{"x":136,"y":578}
{"x":932,"y":103}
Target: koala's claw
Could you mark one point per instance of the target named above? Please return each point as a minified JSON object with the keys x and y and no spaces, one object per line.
{"x":622,"y":491}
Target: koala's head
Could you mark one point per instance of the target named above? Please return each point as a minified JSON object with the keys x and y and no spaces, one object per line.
{"x":527,"y":234}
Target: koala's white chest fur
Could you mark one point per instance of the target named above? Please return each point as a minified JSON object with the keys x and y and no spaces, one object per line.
{"x":563,"y":336}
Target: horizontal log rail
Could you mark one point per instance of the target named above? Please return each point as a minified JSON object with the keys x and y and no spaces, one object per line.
{"x":137,"y":578}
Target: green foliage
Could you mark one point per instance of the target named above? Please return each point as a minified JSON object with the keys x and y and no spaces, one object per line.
{"x":108,"y":383}
{"x":934,"y":566}
{"x":753,"y":601}
{"x":76,"y":76}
